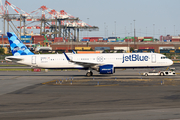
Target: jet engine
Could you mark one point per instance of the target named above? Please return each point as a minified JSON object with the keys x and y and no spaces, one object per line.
{"x":106,"y":69}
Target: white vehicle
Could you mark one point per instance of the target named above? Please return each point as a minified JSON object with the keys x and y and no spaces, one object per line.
{"x":151,"y":73}
{"x":104,"y":63}
{"x":161,"y":73}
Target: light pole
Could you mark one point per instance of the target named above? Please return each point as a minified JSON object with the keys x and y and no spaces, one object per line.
{"x":131,"y":29}
{"x":105,"y":30}
{"x":115,"y":28}
{"x":125,"y":31}
{"x":134,"y":34}
{"x":153,"y":30}
{"x":88,"y":24}
{"x":128,"y":43}
{"x":140,"y":31}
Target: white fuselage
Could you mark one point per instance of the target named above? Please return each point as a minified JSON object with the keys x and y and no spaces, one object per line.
{"x":118,"y":60}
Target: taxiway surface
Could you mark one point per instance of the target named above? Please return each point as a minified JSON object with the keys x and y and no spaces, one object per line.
{"x":124,"y":95}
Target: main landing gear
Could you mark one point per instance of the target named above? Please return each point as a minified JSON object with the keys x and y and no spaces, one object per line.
{"x":89,"y":73}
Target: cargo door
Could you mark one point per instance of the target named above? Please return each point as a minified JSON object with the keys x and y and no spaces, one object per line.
{"x":33,"y":59}
{"x":153,"y":58}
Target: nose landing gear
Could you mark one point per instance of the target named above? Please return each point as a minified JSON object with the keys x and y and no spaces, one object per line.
{"x":89,"y":73}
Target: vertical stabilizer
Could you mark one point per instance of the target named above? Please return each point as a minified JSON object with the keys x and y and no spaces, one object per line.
{"x":17,"y":46}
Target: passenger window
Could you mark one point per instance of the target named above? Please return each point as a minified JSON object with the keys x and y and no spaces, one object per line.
{"x":163,"y":57}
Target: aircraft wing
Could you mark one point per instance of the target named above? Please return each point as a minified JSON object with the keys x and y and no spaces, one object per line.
{"x":85,"y":64}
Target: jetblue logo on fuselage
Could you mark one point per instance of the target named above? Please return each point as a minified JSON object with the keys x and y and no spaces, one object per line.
{"x":134,"y":57}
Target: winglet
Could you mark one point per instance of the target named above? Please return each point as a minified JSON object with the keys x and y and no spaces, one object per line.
{"x":66,"y":56}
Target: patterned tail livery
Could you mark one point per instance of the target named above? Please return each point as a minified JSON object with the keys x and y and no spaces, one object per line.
{"x":17,"y":46}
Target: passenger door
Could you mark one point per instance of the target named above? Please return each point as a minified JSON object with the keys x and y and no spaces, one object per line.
{"x":153,"y":58}
{"x":33,"y":59}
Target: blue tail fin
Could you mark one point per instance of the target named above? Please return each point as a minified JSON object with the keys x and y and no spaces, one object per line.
{"x":17,"y":46}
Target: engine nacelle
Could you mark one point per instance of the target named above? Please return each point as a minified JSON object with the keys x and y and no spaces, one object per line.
{"x":106,"y":69}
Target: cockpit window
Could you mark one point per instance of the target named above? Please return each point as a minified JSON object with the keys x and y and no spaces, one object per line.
{"x":163,"y":57}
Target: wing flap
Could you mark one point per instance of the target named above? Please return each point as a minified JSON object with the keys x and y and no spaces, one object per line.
{"x":85,"y":64}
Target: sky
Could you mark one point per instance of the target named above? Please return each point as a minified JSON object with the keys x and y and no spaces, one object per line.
{"x":116,"y":17}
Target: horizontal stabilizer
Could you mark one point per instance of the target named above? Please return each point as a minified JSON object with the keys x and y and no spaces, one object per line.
{"x":13,"y":59}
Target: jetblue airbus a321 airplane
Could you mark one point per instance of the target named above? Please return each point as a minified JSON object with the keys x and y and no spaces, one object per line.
{"x":105,"y":63}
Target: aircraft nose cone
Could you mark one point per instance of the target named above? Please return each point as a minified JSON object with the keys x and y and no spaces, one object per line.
{"x":170,"y":62}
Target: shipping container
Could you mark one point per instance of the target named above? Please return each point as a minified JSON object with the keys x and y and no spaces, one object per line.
{"x":58,"y":38}
{"x":102,"y":48}
{"x":105,"y":38}
{"x":140,"y":38}
{"x":25,"y":36}
{"x":167,"y":40}
{"x":93,"y":39}
{"x":164,"y":51}
{"x":87,"y":52}
{"x":86,"y":37}
{"x":167,"y":37}
{"x":175,"y":40}
{"x":177,"y":50}
{"x":86,"y":48}
{"x":129,"y":40}
{"x":129,"y":37}
{"x":37,"y":39}
{"x":122,"y":48}
{"x":175,"y":37}
{"x":119,"y":40}
{"x":147,"y":50}
{"x":146,"y":47}
{"x":4,"y":36}
{"x":111,"y":40}
{"x":62,"y":48}
{"x":112,"y":37}
{"x":82,"y":48}
{"x":147,"y":40}
{"x":96,"y":38}
{"x":166,"y":48}
{"x":148,"y":37}
{"x":172,"y":51}
{"x":85,"y":40}
{"x":78,"y":48}
{"x":144,"y":50}
{"x":100,"y":40}
{"x":26,"y":41}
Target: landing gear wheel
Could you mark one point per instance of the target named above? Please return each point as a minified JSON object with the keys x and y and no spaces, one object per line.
{"x":91,"y":73}
{"x":88,"y":74}
{"x":161,"y":74}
